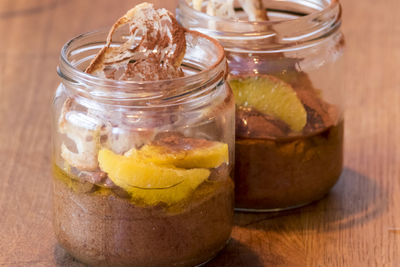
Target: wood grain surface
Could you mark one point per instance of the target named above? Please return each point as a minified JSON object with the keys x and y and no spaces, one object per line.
{"x":357,"y":224}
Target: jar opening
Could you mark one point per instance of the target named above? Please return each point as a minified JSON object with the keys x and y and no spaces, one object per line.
{"x":290,"y":22}
{"x":203,"y":65}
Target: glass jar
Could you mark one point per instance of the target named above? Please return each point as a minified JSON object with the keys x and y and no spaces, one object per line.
{"x":142,"y":170}
{"x":285,"y":74}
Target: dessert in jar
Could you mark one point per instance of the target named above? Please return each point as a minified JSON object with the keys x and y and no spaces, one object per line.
{"x":143,"y":140}
{"x":284,"y":61}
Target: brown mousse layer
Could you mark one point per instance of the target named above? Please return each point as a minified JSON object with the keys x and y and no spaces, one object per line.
{"x":273,"y":174}
{"x":103,"y":228}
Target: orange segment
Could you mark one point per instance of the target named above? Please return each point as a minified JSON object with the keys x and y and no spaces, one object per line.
{"x":149,"y":182}
{"x":210,"y":155}
{"x":271,"y":96}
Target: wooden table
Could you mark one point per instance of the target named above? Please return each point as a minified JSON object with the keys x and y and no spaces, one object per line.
{"x":357,"y":224}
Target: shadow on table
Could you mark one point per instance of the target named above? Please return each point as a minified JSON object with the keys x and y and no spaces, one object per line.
{"x":354,"y":200}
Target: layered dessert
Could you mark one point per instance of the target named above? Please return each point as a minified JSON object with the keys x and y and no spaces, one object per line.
{"x":288,"y":137}
{"x":289,"y":143}
{"x":135,"y":188}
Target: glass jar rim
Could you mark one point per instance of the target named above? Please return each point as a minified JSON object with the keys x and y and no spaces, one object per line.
{"x":256,"y":36}
{"x":332,"y":4}
{"x":84,"y":82}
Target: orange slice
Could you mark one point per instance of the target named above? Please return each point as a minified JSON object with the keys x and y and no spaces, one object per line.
{"x":208,"y":154}
{"x":148,"y":181}
{"x":271,"y":96}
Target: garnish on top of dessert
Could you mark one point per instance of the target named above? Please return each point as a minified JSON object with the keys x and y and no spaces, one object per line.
{"x":153,"y":50}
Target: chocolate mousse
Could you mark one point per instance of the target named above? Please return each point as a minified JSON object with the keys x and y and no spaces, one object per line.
{"x":151,"y":194}
{"x":278,"y":168}
{"x":102,"y":227}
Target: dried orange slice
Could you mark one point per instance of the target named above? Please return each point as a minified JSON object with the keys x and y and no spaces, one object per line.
{"x":157,"y":56}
